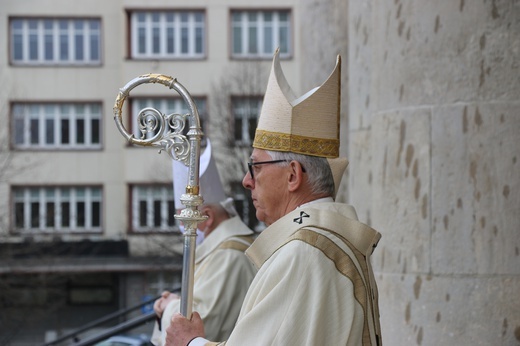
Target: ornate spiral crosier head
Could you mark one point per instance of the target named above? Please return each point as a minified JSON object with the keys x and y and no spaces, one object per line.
{"x":166,"y":133}
{"x":157,"y":129}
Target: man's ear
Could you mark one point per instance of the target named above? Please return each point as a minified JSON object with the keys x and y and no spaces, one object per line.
{"x":295,"y":175}
{"x":211,"y":215}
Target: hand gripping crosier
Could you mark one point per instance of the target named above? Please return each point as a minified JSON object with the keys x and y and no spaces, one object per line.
{"x":165,"y":132}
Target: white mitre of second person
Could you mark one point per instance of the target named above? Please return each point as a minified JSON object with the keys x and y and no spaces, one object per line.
{"x":210,"y":185}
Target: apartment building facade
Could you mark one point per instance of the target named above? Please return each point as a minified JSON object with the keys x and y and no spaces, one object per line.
{"x":87,"y":222}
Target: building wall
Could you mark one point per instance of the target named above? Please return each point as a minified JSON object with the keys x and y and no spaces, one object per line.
{"x":433,"y":136}
{"x":117,"y":165}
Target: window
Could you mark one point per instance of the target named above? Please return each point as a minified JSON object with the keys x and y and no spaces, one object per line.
{"x":153,"y":208}
{"x":158,"y":282}
{"x":256,"y":34}
{"x":245,"y":111}
{"x":56,"y":126}
{"x":91,"y":289}
{"x":46,"y":41}
{"x":244,"y":206}
{"x":165,"y":106}
{"x":57,"y":209}
{"x":58,"y":289}
{"x":167,"y":34}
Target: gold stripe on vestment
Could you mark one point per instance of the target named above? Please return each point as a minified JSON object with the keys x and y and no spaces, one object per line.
{"x":236,"y":244}
{"x":344,"y":264}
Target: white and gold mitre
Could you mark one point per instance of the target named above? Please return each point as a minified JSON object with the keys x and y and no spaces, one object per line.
{"x":308,"y":124}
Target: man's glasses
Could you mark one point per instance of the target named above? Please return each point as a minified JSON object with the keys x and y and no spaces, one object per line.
{"x":251,"y":164}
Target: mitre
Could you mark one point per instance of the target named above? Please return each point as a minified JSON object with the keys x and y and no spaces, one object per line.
{"x":306,"y":124}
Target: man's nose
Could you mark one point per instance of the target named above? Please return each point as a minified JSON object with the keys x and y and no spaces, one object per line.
{"x":248,"y":182}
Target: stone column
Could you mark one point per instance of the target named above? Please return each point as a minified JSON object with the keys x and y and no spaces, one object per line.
{"x":324,"y":35}
{"x":434,"y":146}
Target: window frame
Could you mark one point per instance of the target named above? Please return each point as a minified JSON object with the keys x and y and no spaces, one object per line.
{"x":70,"y":194}
{"x":32,"y":119}
{"x":56,"y":31}
{"x":244,"y":205}
{"x":164,"y":25}
{"x":246,"y":118}
{"x":168,"y":221}
{"x":262,"y":52}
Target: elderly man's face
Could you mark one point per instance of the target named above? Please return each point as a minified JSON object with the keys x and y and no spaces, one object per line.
{"x":268,"y":188}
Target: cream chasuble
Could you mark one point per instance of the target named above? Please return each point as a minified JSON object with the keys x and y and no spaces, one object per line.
{"x":315,"y":284}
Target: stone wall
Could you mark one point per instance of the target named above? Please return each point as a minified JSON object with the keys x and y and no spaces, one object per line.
{"x":433,"y":139}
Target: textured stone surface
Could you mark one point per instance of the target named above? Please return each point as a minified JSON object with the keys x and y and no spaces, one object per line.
{"x":360,"y":65}
{"x":401,"y":190}
{"x":432,"y":310}
{"x":434,"y":133}
{"x":426,"y":52}
{"x":475,"y":168}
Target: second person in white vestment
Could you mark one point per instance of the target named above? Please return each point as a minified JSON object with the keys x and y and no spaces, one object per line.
{"x":223,"y":272}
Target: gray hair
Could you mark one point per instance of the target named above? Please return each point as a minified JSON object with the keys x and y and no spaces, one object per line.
{"x":318,"y":170}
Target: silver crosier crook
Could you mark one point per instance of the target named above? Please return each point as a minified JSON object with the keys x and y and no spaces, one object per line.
{"x":166,"y":133}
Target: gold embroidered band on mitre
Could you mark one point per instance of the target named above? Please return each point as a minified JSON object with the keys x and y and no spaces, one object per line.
{"x":277,"y":141}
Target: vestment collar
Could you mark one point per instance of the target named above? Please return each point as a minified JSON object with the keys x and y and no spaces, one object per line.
{"x":336,"y":217}
{"x":227,"y":228}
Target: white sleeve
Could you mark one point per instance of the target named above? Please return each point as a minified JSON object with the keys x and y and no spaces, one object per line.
{"x":156,"y":335}
{"x":198,"y":341}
